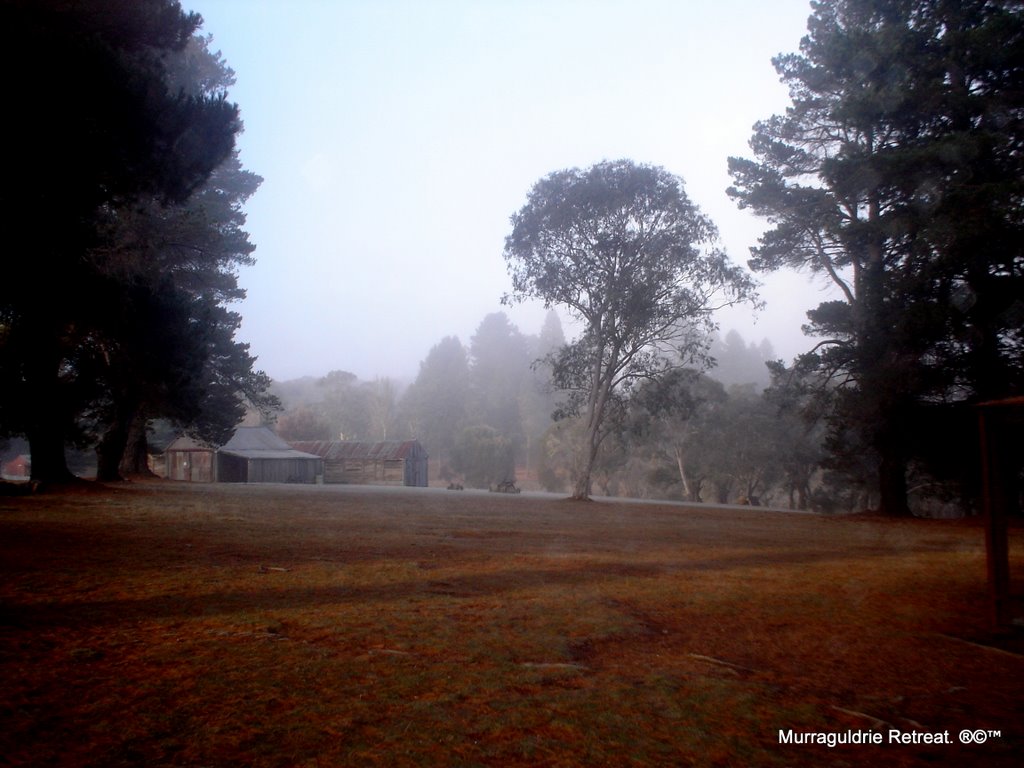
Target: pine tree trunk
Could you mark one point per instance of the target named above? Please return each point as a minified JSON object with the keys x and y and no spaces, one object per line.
{"x":45,"y":427}
{"x":135,"y":462}
{"x":111,"y":449}
{"x":109,"y":452}
{"x":49,"y":463}
{"x":892,"y":484}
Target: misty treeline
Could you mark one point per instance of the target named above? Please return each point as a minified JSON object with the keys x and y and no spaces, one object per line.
{"x":479,"y":410}
{"x":122,"y":205}
{"x":491,"y":411}
{"x":716,"y":432}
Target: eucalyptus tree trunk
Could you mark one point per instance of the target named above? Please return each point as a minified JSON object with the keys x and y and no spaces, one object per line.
{"x":597,"y":401}
{"x":592,"y":444}
{"x":691,"y":492}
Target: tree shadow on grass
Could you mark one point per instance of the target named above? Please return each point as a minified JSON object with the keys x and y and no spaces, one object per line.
{"x":269,"y":596}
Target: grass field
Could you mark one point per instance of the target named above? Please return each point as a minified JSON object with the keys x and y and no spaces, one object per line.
{"x":163,"y":624}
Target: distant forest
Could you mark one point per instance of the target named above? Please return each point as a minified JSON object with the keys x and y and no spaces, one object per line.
{"x":488,"y":412}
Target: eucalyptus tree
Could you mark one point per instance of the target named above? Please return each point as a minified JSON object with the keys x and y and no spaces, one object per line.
{"x":668,"y":419}
{"x":622,"y":248}
{"x":382,"y":405}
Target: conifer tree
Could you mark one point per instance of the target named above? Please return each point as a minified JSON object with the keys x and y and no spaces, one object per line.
{"x":899,"y":149}
{"x":94,"y":127}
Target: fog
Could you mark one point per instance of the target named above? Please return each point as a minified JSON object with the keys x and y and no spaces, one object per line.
{"x":396,"y":138}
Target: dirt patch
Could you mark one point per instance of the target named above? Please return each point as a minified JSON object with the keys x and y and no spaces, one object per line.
{"x":167,"y":624}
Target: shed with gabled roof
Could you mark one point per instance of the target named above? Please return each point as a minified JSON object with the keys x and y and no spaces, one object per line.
{"x":257,"y":455}
{"x":387,"y":462}
{"x":190,"y":460}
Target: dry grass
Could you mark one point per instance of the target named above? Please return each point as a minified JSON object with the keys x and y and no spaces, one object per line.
{"x":162,"y":624}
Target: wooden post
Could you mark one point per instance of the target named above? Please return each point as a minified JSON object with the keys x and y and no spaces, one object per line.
{"x":994,"y":504}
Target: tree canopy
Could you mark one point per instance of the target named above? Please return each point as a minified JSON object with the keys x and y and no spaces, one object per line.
{"x":436,"y":402}
{"x":625,"y":251}
{"x":125,"y":199}
{"x":499,"y":368}
{"x":896,"y":172}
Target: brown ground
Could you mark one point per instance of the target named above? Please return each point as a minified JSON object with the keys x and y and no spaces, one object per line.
{"x":163,"y":624}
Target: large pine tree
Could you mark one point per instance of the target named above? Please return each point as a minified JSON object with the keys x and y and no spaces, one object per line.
{"x":168,"y":347}
{"x":872,"y":178}
{"x":92,"y":126}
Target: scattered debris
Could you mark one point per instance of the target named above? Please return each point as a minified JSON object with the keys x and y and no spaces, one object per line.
{"x":980,"y":645}
{"x":505,"y":486}
{"x":86,"y":654}
{"x":552,"y":665}
{"x":880,"y":724}
{"x":719,"y":662}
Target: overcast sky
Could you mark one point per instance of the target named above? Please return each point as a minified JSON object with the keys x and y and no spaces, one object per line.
{"x":397,"y":138}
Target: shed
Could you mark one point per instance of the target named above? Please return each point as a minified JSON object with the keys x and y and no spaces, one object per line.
{"x":257,"y":455}
{"x":190,"y":460}
{"x":389,"y":462}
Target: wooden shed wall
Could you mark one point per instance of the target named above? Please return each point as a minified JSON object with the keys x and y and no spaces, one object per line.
{"x":192,"y":465}
{"x":238,"y":469}
{"x":232,"y":469}
{"x":367,"y":463}
{"x":365,"y":471}
{"x":284,"y":470}
{"x":416,"y":471}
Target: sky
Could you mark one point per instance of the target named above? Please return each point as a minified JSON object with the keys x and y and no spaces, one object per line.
{"x":396,"y":138}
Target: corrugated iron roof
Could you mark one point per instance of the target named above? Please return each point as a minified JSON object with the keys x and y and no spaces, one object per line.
{"x":261,"y":443}
{"x":186,"y":443}
{"x":353,"y":449}
{"x":247,"y":443}
{"x":255,"y":439}
{"x":261,"y":453}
